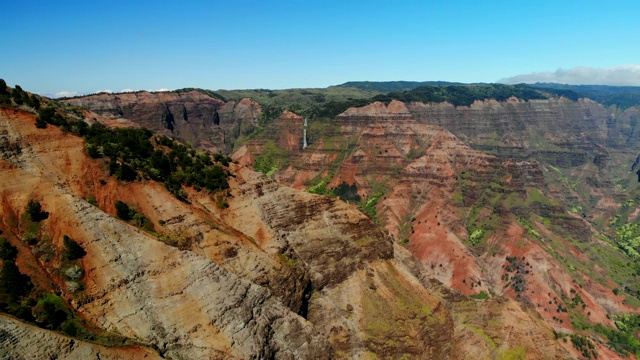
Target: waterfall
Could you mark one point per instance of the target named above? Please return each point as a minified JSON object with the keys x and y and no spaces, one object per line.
{"x":304,"y":134}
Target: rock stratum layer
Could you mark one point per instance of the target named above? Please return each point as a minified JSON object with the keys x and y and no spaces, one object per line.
{"x":193,"y":116}
{"x":481,"y":194}
{"x":277,"y":273}
{"x":516,"y":200}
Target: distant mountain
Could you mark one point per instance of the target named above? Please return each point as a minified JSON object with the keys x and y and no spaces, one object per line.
{"x":623,"y":97}
{"x":388,"y":86}
{"x":464,"y":94}
{"x":620,"y":96}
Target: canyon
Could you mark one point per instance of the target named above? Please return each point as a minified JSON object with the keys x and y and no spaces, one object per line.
{"x":402,"y":230}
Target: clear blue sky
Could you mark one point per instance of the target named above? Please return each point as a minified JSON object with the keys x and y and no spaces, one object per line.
{"x":86,"y":46}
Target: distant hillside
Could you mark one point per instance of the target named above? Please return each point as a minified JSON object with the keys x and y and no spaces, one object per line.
{"x":458,"y":95}
{"x":297,"y":100}
{"x":389,"y":86}
{"x":621,"y":96}
{"x":463,"y":95}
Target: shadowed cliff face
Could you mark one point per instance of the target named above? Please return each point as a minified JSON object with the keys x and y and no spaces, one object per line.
{"x":191,"y":117}
{"x":278,"y":273}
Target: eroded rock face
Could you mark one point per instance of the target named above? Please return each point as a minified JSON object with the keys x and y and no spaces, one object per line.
{"x":480,"y":324}
{"x":492,"y":125}
{"x":441,"y":167}
{"x":382,"y":309}
{"x":215,"y":292}
{"x":20,"y":341}
{"x":180,"y":302}
{"x":327,"y":235}
{"x":434,"y":186}
{"x":193,"y":117}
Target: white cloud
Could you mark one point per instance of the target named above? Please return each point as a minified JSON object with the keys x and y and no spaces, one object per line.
{"x":622,"y":75}
{"x":65,"y":93}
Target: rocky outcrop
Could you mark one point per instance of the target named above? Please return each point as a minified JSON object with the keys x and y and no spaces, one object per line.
{"x":501,"y":327}
{"x":521,"y":125}
{"x":623,"y":129}
{"x":384,"y":310}
{"x":21,"y":341}
{"x":277,"y":273}
{"x":378,"y":111}
{"x":433,"y":190}
{"x":237,"y":120}
{"x":284,"y":135}
{"x":180,"y":302}
{"x":193,"y":117}
{"x":326,"y":234}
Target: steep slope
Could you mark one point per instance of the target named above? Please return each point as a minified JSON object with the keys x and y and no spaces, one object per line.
{"x":480,"y":223}
{"x":258,"y":271}
{"x":193,"y":116}
{"x":182,"y":303}
{"x":580,"y":145}
{"x":21,"y":341}
{"x":514,"y":198}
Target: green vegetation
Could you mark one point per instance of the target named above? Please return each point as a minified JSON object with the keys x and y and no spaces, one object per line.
{"x":332,"y":109}
{"x":628,"y":239}
{"x":488,"y":340}
{"x":92,"y":200}
{"x":17,"y":96}
{"x":369,"y":207}
{"x":49,"y":115}
{"x":480,"y":296}
{"x":584,"y":345}
{"x":7,"y":251}
{"x":347,"y":192}
{"x":622,"y":340}
{"x":320,"y":188}
{"x":72,"y":250}
{"x":129,"y":214}
{"x":13,"y":283}
{"x":51,"y":312}
{"x":515,"y":274}
{"x":35,"y":212}
{"x":488,"y":205}
{"x":518,"y":353}
{"x":271,"y":159}
{"x":485,"y":202}
{"x":311,"y":103}
{"x":5,"y":96}
{"x":344,"y":191}
{"x":135,"y":151}
{"x":475,"y":236}
{"x":622,"y":97}
{"x":389,"y":86}
{"x":124,"y":211}
{"x":22,"y":298}
{"x":463,"y":95}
